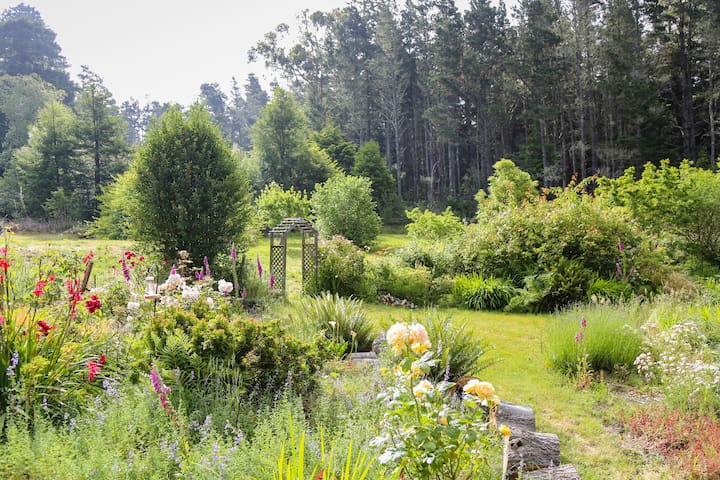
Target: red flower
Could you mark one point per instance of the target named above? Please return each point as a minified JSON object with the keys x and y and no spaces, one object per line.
{"x":88,"y":257}
{"x":4,"y":264}
{"x":44,"y":327}
{"x":51,"y":278}
{"x":93,"y":304}
{"x":2,"y":320}
{"x":141,"y":258}
{"x":39,"y":286}
{"x":93,"y":369}
{"x":129,"y":254}
{"x":102,"y":359}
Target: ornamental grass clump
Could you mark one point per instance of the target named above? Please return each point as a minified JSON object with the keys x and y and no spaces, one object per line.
{"x":425,"y":432}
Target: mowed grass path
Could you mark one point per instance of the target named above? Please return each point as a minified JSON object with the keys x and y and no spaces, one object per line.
{"x":585,"y":421}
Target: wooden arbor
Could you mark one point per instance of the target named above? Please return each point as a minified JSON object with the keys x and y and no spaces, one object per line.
{"x":278,"y":251}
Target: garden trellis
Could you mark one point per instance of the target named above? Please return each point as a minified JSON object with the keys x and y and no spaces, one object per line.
{"x":278,"y":251}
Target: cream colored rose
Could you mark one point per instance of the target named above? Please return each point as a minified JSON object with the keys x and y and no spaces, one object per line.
{"x":419,"y":340}
{"x":422,"y":389}
{"x":482,"y":390}
{"x":397,"y":337}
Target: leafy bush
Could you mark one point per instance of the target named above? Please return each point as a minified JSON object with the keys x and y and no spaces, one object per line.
{"x":508,"y":186}
{"x":344,"y":206}
{"x":609,"y":289}
{"x":428,"y":225}
{"x":478,"y":293}
{"x":191,"y":195}
{"x":341,"y":269}
{"x":612,"y":337}
{"x":205,"y":345}
{"x":412,"y":284}
{"x":556,"y":247}
{"x":340,"y":319}
{"x":441,"y":257}
{"x":682,"y":200}
{"x":370,"y":163}
{"x":275,"y":204}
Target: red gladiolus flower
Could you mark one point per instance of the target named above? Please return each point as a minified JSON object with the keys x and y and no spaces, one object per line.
{"x":88,"y":257}
{"x":44,"y":327}
{"x":4,"y":264}
{"x":39,"y":286}
{"x":102,"y":359}
{"x":93,"y":369}
{"x":93,"y":304}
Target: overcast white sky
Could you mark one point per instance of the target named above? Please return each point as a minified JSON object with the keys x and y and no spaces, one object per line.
{"x":164,"y":49}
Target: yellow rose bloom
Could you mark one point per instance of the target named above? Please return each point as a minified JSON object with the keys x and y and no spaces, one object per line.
{"x":420,"y":348}
{"x":416,"y":370}
{"x":482,"y":390}
{"x":422,"y":389}
{"x":505,"y":430}
{"x":397,"y":337}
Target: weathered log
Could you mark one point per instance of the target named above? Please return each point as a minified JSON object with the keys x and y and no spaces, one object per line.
{"x":562,"y":472}
{"x":526,"y":451}
{"x":517,"y":417}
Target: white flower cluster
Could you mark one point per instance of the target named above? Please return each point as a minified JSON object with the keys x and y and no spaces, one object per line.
{"x":678,"y":358}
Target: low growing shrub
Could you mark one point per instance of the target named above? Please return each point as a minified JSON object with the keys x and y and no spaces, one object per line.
{"x":400,"y":281}
{"x":342,"y":269}
{"x":479,"y":293}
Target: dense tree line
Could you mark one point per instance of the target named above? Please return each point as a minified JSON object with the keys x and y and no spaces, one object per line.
{"x":563,"y":87}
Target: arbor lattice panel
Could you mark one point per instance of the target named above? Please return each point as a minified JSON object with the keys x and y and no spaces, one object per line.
{"x":278,"y":251}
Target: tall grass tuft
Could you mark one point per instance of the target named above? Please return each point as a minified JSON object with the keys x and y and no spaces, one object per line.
{"x":482,"y":293}
{"x":338,"y":318}
{"x":612,"y":337}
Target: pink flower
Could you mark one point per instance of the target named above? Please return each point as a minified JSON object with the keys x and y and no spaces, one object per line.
{"x":207,"y":266}
{"x":583,"y":322}
{"x":272,"y":281}
{"x":579,"y":336}
{"x":93,"y":369}
{"x":44,"y":327}
{"x":620,"y":246}
{"x":125,"y":270}
{"x":233,"y":252}
{"x":259,"y":267}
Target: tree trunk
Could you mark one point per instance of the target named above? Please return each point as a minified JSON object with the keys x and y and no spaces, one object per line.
{"x":525,"y":451}
{"x":563,"y":472}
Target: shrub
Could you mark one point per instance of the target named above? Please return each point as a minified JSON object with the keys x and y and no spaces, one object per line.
{"x":340,"y":319}
{"x":341,"y":269}
{"x":609,"y":289}
{"x":205,"y":345}
{"x":370,"y":163}
{"x":275,"y":204}
{"x":344,"y":206}
{"x":478,"y":293}
{"x":612,"y":337}
{"x":441,"y":257}
{"x":680,"y":200}
{"x":191,"y":195}
{"x":428,"y":225}
{"x":412,"y":284}
{"x":508,"y":186}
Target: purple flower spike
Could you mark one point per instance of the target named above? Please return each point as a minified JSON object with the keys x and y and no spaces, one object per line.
{"x":207,"y":266}
{"x":618,"y":271}
{"x":579,"y":337}
{"x":173,"y":270}
{"x":620,"y":246}
{"x":233,"y":252}
{"x":272,"y":281}
{"x":199,"y":275}
{"x":125,"y":270}
{"x":583,"y":322}
{"x":259,"y":267}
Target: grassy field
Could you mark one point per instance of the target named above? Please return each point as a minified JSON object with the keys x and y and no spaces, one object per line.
{"x":584,"y":420}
